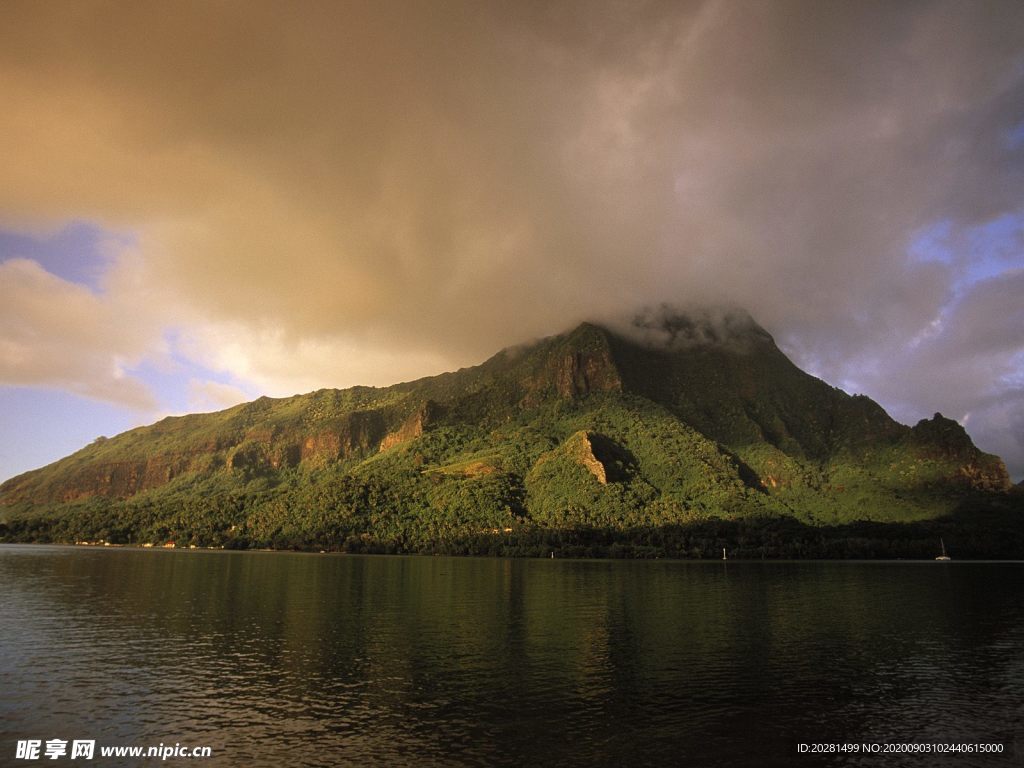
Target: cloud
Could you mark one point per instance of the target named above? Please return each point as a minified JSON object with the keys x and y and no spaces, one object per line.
{"x":969,"y":365}
{"x":378,"y":191}
{"x":205,"y":395}
{"x":60,"y":334}
{"x":282,"y":365}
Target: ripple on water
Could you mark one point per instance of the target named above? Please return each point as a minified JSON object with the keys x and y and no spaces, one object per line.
{"x":274,"y":659}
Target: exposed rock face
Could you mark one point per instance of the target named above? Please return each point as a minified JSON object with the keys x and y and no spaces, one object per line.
{"x":321,"y":448}
{"x":601,"y":456}
{"x":585,"y":454}
{"x":121,"y":479}
{"x":261,"y":450}
{"x":117,"y":479}
{"x":413,"y":426}
{"x":361,"y":432}
{"x":580,"y":373}
{"x":581,"y":365}
{"x":259,"y":456}
{"x":357,"y":433}
{"x":256,"y":450}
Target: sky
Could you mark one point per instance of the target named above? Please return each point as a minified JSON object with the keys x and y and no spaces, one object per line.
{"x":204,"y":202}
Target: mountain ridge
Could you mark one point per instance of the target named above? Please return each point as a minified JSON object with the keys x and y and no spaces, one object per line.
{"x":682,"y":418}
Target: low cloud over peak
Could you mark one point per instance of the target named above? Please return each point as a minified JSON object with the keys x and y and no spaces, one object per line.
{"x":388,"y":190}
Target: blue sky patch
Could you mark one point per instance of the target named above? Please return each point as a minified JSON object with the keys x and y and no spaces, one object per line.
{"x":976,"y":253}
{"x":80,"y":252}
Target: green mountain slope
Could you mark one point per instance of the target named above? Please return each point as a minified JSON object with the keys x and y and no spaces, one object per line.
{"x":672,"y":422}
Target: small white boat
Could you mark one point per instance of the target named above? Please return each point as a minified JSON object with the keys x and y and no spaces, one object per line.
{"x":943,"y":556}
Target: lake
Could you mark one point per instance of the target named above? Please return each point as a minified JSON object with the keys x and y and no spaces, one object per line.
{"x":302,"y":659}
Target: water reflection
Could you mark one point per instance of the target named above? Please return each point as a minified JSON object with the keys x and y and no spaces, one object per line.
{"x":327,"y":660}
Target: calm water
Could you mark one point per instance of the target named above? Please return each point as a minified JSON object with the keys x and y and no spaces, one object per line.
{"x":279,"y":659}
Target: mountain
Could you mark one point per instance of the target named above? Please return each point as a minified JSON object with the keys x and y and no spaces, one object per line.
{"x":671,"y":421}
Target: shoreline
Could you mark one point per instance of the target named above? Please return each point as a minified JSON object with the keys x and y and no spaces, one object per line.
{"x":704,"y":560}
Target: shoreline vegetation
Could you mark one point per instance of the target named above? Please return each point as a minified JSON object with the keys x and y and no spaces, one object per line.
{"x":979,"y":531}
{"x":606,"y":555}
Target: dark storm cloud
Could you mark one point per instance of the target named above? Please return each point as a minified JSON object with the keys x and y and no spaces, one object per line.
{"x":432,"y":181}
